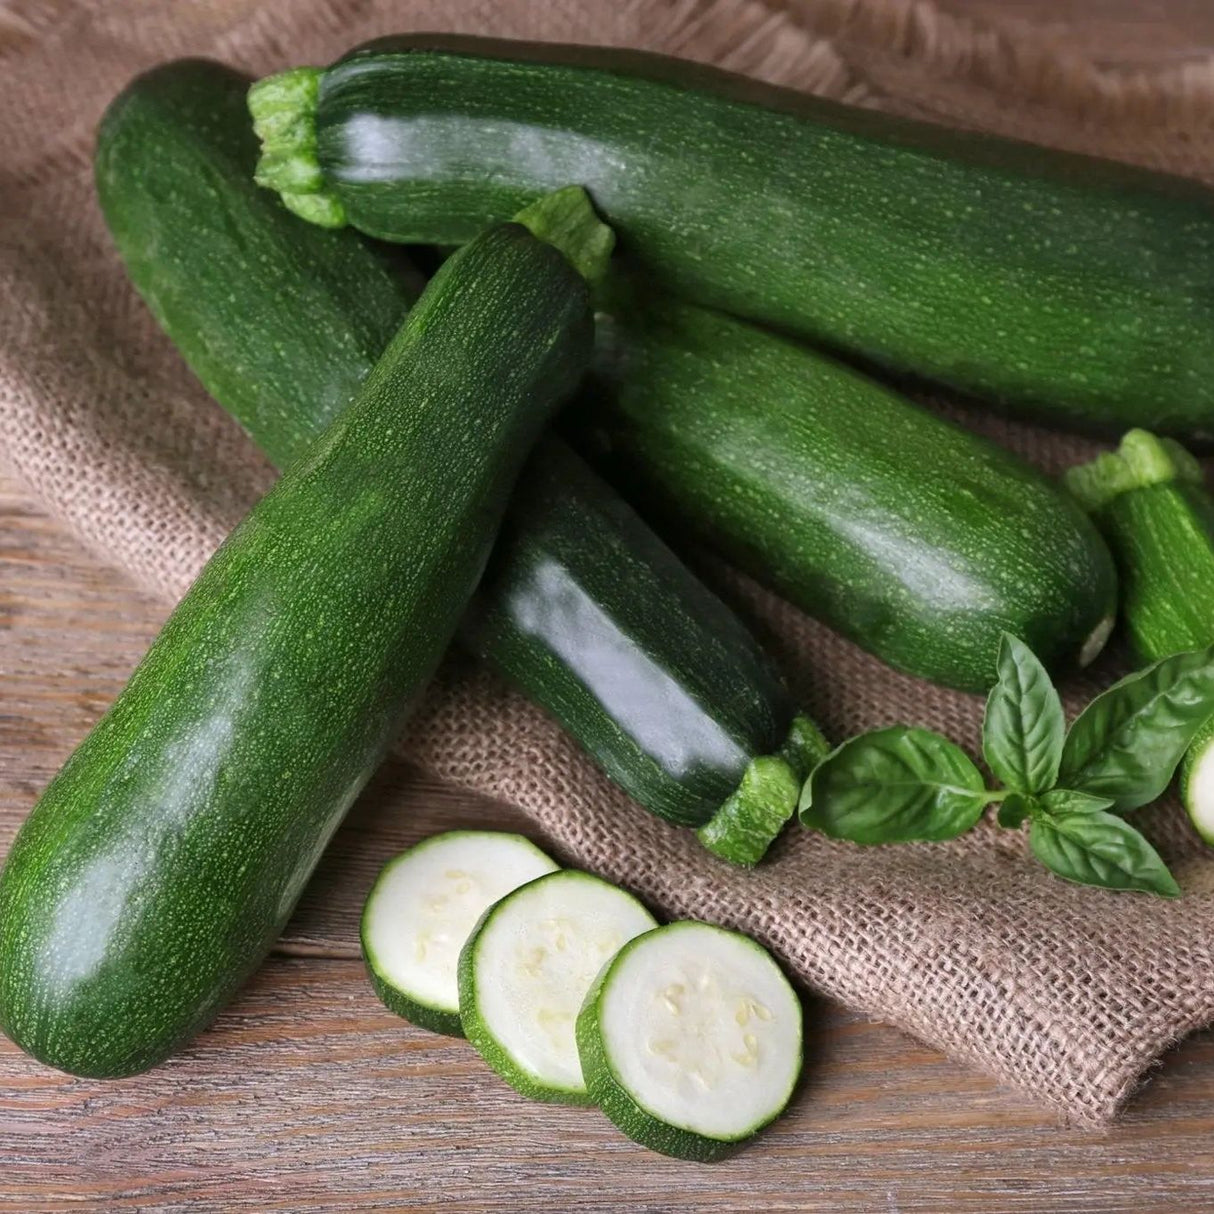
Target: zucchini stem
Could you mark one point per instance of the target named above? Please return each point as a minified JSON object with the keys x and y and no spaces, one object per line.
{"x":748,"y":822}
{"x":1141,"y":460}
{"x":567,"y":220}
{"x":283,"y":108}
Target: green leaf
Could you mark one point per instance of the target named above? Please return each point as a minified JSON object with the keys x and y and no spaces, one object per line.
{"x":1069,"y":801}
{"x":1024,"y":726}
{"x":1126,"y":744}
{"x":1014,"y":808}
{"x":1098,"y":848}
{"x":894,"y":785}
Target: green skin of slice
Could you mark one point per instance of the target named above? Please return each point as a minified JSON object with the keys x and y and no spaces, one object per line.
{"x":424,"y":1015}
{"x":480,"y":1035}
{"x":1150,"y":501}
{"x":618,"y":1104}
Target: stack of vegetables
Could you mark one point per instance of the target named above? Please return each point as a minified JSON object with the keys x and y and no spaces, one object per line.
{"x":768,"y":244}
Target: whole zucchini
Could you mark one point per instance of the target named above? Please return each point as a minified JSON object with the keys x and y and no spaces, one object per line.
{"x":165,"y":857}
{"x":583,"y":607}
{"x":1079,"y":290}
{"x":908,"y":534}
{"x":1150,"y":500}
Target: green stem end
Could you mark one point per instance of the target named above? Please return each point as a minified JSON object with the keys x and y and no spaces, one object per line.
{"x":283,"y":108}
{"x":748,"y":822}
{"x":567,"y":220}
{"x":1141,"y":460}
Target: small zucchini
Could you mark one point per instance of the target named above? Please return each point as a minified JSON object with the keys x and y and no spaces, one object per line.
{"x":690,"y":1040}
{"x":164,"y":859}
{"x":1150,"y":499}
{"x":423,"y":906}
{"x":526,"y":968}
{"x":583,"y":607}
{"x":1075,"y":289}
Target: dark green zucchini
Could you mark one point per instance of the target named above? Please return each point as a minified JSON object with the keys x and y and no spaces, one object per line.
{"x":583,"y":608}
{"x":174,"y":152}
{"x":1079,"y":290}
{"x":165,"y":857}
{"x":593,"y":617}
{"x":904,"y":532}
{"x":1150,"y":500}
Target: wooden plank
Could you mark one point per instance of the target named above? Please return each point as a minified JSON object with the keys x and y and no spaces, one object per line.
{"x":307,"y":1095}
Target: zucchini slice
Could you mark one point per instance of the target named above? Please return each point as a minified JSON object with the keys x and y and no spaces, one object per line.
{"x":526,"y":968}
{"x":423,"y":906}
{"x":690,"y":1040}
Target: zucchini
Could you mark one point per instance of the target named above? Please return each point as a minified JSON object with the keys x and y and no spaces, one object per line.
{"x":594,"y":618}
{"x":257,"y":306}
{"x":583,"y":607}
{"x":915,"y":538}
{"x":1149,"y":498}
{"x":526,"y":968}
{"x":690,"y":1040}
{"x":1071,"y":288}
{"x":165,"y":857}
{"x":423,"y":907}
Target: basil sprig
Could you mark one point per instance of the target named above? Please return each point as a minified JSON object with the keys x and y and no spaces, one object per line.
{"x":899,"y":784}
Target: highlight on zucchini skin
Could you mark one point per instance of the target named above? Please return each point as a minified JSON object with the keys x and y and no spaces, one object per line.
{"x":593,"y":617}
{"x":1150,"y":500}
{"x":921,"y":249}
{"x":177,"y":191}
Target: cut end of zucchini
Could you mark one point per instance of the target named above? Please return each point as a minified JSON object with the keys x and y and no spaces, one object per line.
{"x":1197,"y":782}
{"x":1142,"y":460}
{"x":283,"y":109}
{"x":1096,"y":640}
{"x":690,"y":1040}
{"x":525,"y":971}
{"x":423,"y":907}
{"x":567,"y":220}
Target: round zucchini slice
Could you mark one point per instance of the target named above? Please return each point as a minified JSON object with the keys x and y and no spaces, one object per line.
{"x":525,"y":971}
{"x":690,"y":1040}
{"x":422,"y":908}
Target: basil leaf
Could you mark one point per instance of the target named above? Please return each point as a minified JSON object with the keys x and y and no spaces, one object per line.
{"x":1068,"y":801}
{"x":1099,"y":848}
{"x":894,"y":785}
{"x":1126,"y":743}
{"x":1023,"y":729}
{"x":1013,"y":809}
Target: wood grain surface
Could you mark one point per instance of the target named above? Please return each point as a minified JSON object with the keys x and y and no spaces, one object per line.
{"x":307,"y":1095}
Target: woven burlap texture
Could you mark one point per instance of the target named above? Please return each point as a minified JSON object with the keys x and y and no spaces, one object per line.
{"x":1067,"y":993}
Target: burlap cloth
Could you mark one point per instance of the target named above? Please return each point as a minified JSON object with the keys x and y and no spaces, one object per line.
{"x":1067,"y":993}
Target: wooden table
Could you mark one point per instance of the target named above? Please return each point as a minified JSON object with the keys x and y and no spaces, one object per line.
{"x":308,"y":1095}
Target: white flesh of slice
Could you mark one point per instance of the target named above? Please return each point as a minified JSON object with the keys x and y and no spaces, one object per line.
{"x":538,"y":956}
{"x":428,"y":901}
{"x":1199,"y":793}
{"x":703,"y":1030}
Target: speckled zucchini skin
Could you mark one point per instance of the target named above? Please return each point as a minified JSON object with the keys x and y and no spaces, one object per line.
{"x":906,"y":533}
{"x":584,"y":608}
{"x":167,"y":854}
{"x":1075,"y":289}
{"x":592,"y":616}
{"x":258,"y":306}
